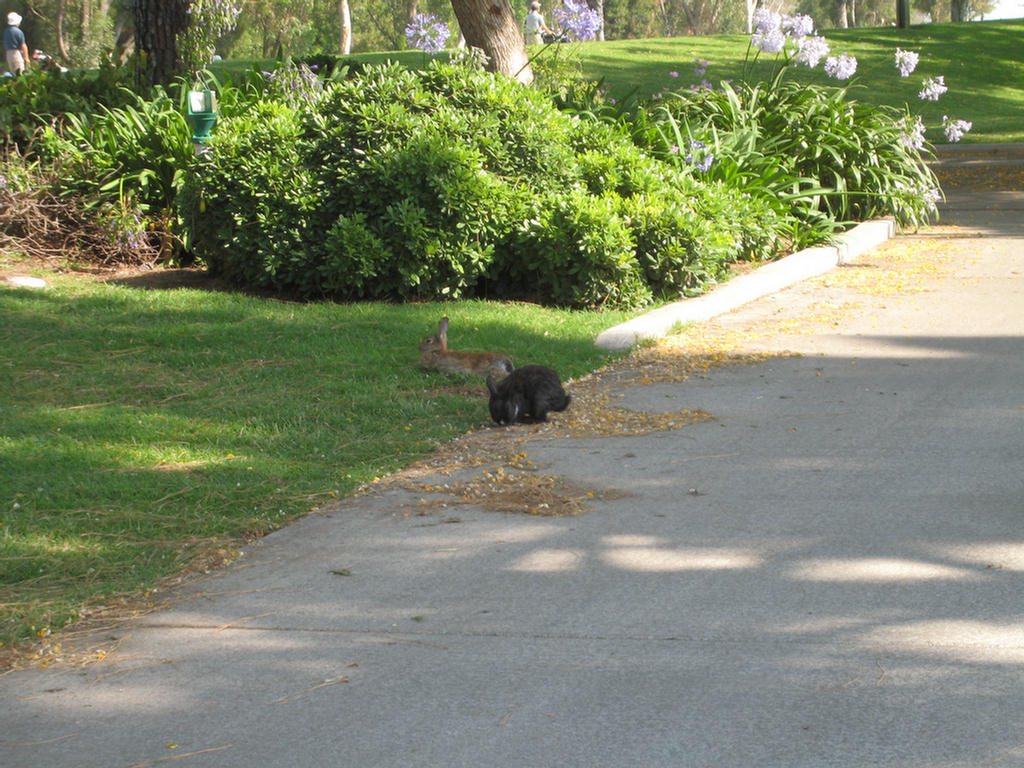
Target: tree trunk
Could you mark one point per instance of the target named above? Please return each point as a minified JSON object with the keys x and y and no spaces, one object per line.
{"x":345,"y":43}
{"x":752,"y":5}
{"x":85,"y":18}
{"x":692,"y":13}
{"x":491,"y":26}
{"x":598,"y":5}
{"x":62,"y":44}
{"x":842,"y":14}
{"x":157,"y":26}
{"x":959,"y":10}
{"x":124,"y":41}
{"x":902,"y":13}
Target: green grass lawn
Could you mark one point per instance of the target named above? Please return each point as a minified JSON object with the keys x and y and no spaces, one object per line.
{"x":981,"y":62}
{"x":140,"y":429}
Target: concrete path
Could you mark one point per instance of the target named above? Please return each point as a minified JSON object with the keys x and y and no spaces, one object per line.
{"x":827,"y":571}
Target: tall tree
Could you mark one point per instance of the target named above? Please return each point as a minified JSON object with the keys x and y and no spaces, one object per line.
{"x":157,"y":26}
{"x":345,"y":20}
{"x":490,"y":25}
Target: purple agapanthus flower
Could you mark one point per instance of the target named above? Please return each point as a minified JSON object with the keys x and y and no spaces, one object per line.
{"x":841,"y":67}
{"x":912,"y":136}
{"x":811,"y":50}
{"x":799,"y":26}
{"x":699,"y":157}
{"x":906,"y":62}
{"x":700,"y":67}
{"x":297,"y":85}
{"x":765,"y":21}
{"x":933,"y":88}
{"x":955,"y":129}
{"x":772,"y":41}
{"x":578,"y":19}
{"x":931,"y":196}
{"x":427,"y":33}
{"x":768,"y":35}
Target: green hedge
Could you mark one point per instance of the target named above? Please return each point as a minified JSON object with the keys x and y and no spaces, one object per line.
{"x":453,"y":183}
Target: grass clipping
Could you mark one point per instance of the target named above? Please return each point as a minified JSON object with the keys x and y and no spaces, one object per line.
{"x":490,"y":468}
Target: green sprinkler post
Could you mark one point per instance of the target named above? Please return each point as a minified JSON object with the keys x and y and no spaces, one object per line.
{"x":202,"y":116}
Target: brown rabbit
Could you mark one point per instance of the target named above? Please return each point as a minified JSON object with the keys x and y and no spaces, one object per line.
{"x":434,"y":353}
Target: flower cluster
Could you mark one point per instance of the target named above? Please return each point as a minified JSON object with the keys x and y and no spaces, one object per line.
{"x":811,"y":50}
{"x":578,"y":19}
{"x":931,"y":196}
{"x":955,"y":129}
{"x":906,"y":62}
{"x":913,"y":135}
{"x":933,"y":88}
{"x":699,"y":156}
{"x":798,"y":26}
{"x":125,"y":228}
{"x":298,"y":86}
{"x":772,"y":31}
{"x":768,"y":35}
{"x":427,"y":33}
{"x":841,"y":67}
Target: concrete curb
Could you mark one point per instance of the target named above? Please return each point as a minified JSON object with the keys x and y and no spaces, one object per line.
{"x":952,"y":150}
{"x":746,"y":288}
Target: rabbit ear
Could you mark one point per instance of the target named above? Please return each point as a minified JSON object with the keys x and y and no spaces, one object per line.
{"x":442,"y":327}
{"x":513,"y":412}
{"x":490,"y":386}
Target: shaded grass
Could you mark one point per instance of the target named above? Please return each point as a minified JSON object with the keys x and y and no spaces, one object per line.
{"x":143,"y":431}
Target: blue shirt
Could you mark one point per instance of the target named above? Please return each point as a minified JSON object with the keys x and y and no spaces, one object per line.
{"x":14,"y":38}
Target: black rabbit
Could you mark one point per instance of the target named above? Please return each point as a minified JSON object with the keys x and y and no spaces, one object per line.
{"x":529,"y":393}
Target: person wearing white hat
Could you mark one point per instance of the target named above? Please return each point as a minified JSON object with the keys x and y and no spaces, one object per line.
{"x":535,"y":26}
{"x":15,"y":45}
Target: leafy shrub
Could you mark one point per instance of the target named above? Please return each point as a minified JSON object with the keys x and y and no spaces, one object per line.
{"x":830,"y":158}
{"x":820,"y":157}
{"x":126,"y":163}
{"x":136,"y":152}
{"x":248,"y":218}
{"x":443,"y":183}
{"x":434,"y":236}
{"x":41,"y":97}
{"x":577,"y":251}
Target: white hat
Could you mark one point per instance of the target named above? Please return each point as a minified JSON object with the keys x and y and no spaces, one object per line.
{"x":13,"y":19}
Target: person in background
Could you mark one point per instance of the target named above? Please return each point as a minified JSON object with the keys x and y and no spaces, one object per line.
{"x":15,"y":45}
{"x":535,"y":26}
